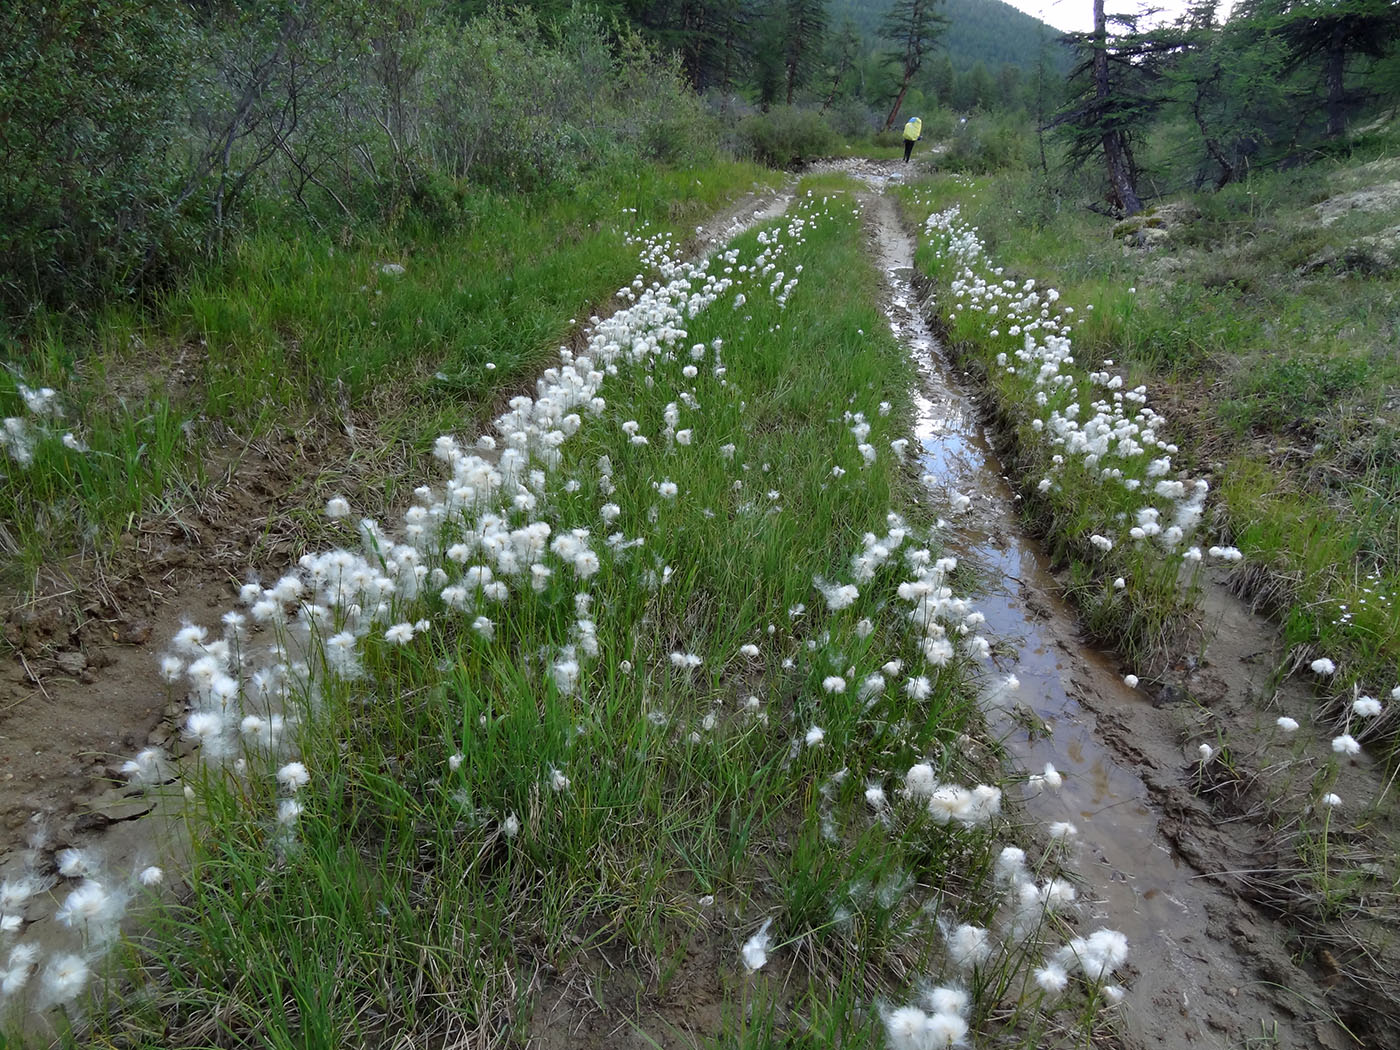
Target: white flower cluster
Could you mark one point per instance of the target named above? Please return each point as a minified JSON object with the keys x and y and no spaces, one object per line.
{"x":940,"y":1019}
{"x":485,"y":537}
{"x":20,"y":436}
{"x":1111,"y":438}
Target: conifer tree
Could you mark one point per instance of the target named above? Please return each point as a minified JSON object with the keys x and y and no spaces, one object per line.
{"x":804,"y":34}
{"x":842,"y":51}
{"x":1113,"y":104}
{"x":913,"y":26}
{"x":1336,"y":31}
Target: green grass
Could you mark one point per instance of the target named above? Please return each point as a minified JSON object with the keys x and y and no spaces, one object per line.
{"x":401,"y":903}
{"x":287,"y":333}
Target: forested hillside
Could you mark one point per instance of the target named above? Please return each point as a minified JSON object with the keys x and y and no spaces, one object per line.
{"x":986,"y":31}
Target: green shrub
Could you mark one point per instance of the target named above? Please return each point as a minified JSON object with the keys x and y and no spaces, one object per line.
{"x":90,"y":178}
{"x":138,"y":136}
{"x":981,"y":144}
{"x":785,"y":136}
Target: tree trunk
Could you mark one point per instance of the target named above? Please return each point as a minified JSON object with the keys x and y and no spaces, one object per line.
{"x":1115,"y":155}
{"x":1336,"y":82}
{"x":898,"y":101}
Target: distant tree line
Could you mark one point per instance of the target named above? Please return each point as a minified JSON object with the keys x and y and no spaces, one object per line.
{"x":136,"y":135}
{"x":1278,"y":77}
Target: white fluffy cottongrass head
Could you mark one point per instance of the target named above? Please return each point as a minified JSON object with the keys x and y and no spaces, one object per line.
{"x":1051,"y":778}
{"x":815,"y":736}
{"x":63,"y":978}
{"x":1097,"y":955}
{"x":399,"y":634}
{"x":77,"y":863}
{"x":910,"y":1028}
{"x":1288,"y":725}
{"x":1323,"y":666}
{"x":293,"y":776}
{"x":1052,"y":979}
{"x":906,"y":1028}
{"x":1345,"y":744}
{"x":833,"y":683}
{"x":968,"y":946}
{"x":1366,"y":707}
{"x":1010,"y":865}
{"x":93,"y":909}
{"x":920,"y":782}
{"x":755,"y":949}
{"x":17,"y":969}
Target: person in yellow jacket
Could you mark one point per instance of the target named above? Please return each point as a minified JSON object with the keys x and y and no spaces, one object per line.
{"x":913,"y":132}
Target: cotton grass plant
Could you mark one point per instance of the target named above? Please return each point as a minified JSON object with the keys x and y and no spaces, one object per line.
{"x":371,"y":344}
{"x":665,"y":660}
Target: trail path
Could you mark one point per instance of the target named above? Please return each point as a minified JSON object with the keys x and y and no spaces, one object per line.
{"x":1208,"y":969}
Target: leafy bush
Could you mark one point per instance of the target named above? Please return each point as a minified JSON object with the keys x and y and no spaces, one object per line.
{"x":90,"y":182}
{"x":138,"y":134}
{"x":853,"y":119}
{"x":979,"y":145}
{"x":785,"y":136}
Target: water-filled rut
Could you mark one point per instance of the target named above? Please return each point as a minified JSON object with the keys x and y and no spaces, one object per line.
{"x":1193,"y":977}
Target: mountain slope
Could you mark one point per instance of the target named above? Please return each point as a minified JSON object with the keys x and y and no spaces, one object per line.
{"x":986,"y":31}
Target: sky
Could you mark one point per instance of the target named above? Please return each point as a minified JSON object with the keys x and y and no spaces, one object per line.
{"x":1078,"y":15}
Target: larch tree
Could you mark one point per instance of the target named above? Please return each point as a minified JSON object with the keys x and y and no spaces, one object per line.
{"x":841,"y":53}
{"x":1337,"y":31}
{"x":914,"y":27}
{"x":1114,"y":102}
{"x":805,"y":32}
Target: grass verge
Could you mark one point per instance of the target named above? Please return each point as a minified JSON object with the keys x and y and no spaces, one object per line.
{"x":407,"y":330}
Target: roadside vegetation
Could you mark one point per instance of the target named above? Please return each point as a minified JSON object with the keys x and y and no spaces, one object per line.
{"x":379,"y":345}
{"x":665,"y":662}
{"x":1261,"y":319}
